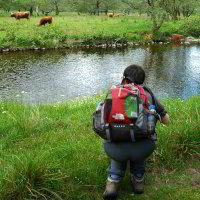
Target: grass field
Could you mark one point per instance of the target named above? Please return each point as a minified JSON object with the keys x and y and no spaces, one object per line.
{"x":70,"y":30}
{"x":51,"y":152}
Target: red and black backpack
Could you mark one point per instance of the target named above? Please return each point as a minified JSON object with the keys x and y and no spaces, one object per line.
{"x":123,"y":114}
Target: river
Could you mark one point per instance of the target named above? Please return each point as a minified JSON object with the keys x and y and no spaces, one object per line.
{"x":52,"y":76}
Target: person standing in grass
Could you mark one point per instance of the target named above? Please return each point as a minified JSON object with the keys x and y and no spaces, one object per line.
{"x":134,"y":152}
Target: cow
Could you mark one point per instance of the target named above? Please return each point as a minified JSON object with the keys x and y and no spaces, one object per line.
{"x":177,"y":37}
{"x":116,"y":15}
{"x":148,"y":37}
{"x":20,"y":15}
{"x":45,"y":20}
{"x":110,"y":14}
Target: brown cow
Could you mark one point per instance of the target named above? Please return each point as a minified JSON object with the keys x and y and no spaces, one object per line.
{"x":148,"y":37}
{"x":45,"y":20}
{"x":110,"y":14}
{"x":20,"y":15}
{"x":177,"y":37}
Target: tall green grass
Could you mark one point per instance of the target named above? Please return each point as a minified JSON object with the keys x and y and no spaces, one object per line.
{"x":181,"y":140}
{"x":51,"y":151}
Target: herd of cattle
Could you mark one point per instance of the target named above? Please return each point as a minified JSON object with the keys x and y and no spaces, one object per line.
{"x":46,"y":19}
{"x":26,"y":15}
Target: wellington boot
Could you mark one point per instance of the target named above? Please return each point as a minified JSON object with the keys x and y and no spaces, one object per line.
{"x":111,"y":190}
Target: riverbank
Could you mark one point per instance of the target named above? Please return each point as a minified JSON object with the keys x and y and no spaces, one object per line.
{"x":87,"y":32}
{"x":51,"y":152}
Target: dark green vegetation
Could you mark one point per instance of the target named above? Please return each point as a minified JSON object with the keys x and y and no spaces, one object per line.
{"x":51,"y":152}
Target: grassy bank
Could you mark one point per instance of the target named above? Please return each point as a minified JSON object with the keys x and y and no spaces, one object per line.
{"x":67,"y":31}
{"x":51,"y":152}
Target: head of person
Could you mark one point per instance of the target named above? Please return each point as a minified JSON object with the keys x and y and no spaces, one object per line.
{"x":133,"y":74}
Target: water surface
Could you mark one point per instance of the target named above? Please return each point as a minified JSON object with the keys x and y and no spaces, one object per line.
{"x":54,"y":76}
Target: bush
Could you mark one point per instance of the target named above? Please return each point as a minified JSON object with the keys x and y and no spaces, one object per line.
{"x":191,"y":26}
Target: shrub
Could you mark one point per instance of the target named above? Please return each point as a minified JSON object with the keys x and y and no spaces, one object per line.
{"x":191,"y":26}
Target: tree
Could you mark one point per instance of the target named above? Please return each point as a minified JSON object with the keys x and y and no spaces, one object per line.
{"x":47,"y":6}
{"x":158,"y":15}
{"x":187,"y":8}
{"x":27,"y":5}
{"x":172,"y":7}
{"x":56,"y":4}
{"x":154,"y":9}
{"x":94,"y":7}
{"x":140,"y":5}
{"x":110,"y":5}
{"x":176,"y":8}
{"x":160,"y":9}
{"x":7,"y":5}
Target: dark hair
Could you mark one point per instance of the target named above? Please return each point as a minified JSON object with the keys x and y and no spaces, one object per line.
{"x":134,"y":74}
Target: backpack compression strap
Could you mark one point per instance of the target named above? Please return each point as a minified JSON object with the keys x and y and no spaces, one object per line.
{"x":151,"y":93}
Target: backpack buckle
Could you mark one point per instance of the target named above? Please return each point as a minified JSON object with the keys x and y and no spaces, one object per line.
{"x":108,"y":132}
{"x":132,"y":132}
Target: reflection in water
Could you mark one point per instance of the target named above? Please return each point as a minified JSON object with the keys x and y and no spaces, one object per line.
{"x":52,"y":76}
{"x":170,"y":68}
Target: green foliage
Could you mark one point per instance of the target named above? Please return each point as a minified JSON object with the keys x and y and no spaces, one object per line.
{"x":134,"y":37}
{"x":172,"y":27}
{"x":191,"y":26}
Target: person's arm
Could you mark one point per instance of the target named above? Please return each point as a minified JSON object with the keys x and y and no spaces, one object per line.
{"x":164,"y":117}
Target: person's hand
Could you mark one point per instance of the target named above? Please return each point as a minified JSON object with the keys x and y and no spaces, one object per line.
{"x":165,"y":119}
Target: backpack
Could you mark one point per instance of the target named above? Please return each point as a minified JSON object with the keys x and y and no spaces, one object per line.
{"x":123,"y":115}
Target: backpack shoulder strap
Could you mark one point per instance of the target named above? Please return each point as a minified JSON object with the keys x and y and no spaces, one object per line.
{"x":151,"y":93}
{"x":142,"y":94}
